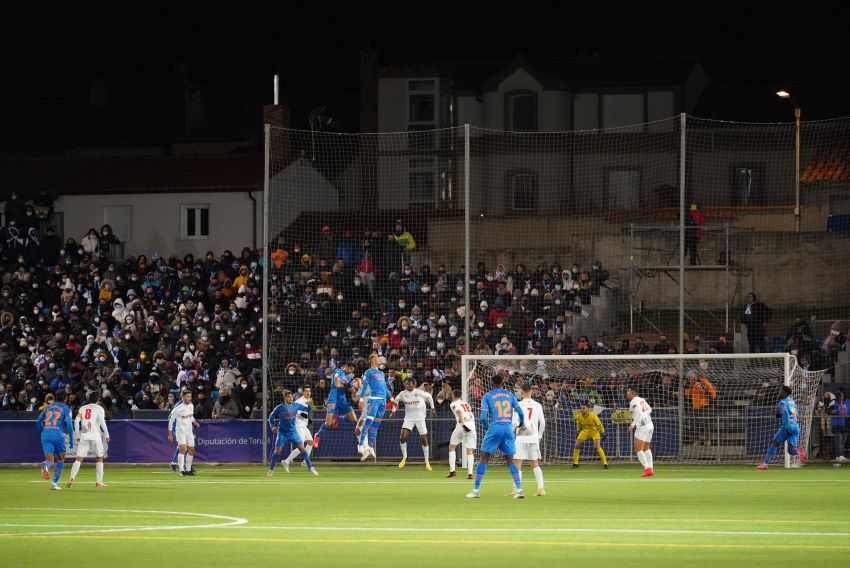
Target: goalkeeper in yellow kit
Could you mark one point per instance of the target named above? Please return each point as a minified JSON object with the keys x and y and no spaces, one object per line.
{"x":589,"y":426}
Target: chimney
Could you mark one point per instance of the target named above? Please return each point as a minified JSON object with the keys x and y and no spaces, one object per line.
{"x":193,"y":106}
{"x":277,"y":116}
{"x":368,"y":90}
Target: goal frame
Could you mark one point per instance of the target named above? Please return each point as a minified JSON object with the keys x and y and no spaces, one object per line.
{"x":789,"y":366}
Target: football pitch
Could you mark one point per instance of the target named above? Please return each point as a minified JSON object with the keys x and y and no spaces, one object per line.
{"x":375,"y":515}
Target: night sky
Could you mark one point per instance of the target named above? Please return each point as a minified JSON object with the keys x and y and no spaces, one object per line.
{"x":315,"y":45}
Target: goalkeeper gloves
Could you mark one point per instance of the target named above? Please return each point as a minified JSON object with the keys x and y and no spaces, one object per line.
{"x":466,"y":428}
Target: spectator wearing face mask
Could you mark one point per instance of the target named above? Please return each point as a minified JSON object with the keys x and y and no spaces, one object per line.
{"x":247,"y":398}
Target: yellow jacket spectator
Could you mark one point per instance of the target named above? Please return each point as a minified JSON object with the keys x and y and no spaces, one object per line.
{"x":403,"y":238}
{"x":700,"y":391}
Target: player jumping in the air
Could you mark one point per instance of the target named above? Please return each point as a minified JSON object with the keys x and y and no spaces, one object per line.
{"x":643,"y":429}
{"x":497,"y":410}
{"x":376,"y":405}
{"x":464,"y":433}
{"x":415,"y":401}
{"x":54,"y":422}
{"x":338,"y":404}
{"x":789,"y":431}
{"x":90,"y":425}
{"x":285,"y":414}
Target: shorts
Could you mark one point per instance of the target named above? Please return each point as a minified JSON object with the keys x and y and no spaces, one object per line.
{"x":304,"y":433}
{"x":461,"y":436}
{"x":340,"y":406}
{"x":93,"y":445}
{"x":584,"y":435}
{"x":783,"y":436}
{"x":499,"y":438}
{"x":282,"y":439}
{"x":53,"y":443}
{"x":376,"y":407}
{"x":185,"y":439}
{"x":419,"y":424}
{"x":644,"y":432}
{"x":527,"y":452}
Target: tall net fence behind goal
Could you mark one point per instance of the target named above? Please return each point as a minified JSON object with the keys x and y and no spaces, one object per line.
{"x":711,"y":409}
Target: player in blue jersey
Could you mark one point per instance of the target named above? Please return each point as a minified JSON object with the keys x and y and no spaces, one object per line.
{"x":375,"y":406}
{"x":282,"y":421}
{"x":54,"y":422}
{"x":786,"y":409}
{"x":338,"y":404}
{"x":497,"y":412}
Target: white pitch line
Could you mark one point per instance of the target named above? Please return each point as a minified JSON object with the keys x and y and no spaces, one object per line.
{"x":230,"y":521}
{"x":53,"y":525}
{"x":312,"y":481}
{"x":544,"y":529}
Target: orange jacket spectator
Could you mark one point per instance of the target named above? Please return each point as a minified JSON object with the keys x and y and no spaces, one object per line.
{"x":279,"y":257}
{"x":699,"y":391}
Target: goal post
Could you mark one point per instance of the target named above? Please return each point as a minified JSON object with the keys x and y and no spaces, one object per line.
{"x":706,"y":408}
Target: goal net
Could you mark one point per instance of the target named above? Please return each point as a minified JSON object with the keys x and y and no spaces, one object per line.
{"x":712,"y":408}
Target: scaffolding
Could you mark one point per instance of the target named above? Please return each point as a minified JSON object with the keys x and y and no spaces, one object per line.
{"x":654,"y":252}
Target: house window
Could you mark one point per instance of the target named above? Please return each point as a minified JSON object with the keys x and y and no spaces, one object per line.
{"x":521,"y":111}
{"x":422,"y":179}
{"x":523,"y":190}
{"x":623,"y":188}
{"x":747,"y":185}
{"x":619,"y":110}
{"x":194,"y":221}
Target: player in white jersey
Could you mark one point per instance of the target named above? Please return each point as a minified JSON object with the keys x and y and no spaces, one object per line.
{"x":302,"y":424}
{"x":464,"y":433}
{"x":415,"y":402}
{"x":180,"y":423}
{"x":528,"y":438}
{"x":643,"y":428}
{"x":90,"y":428}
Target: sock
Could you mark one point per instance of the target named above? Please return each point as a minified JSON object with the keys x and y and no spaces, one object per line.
{"x":425,"y":452}
{"x":515,"y":475}
{"x":189,"y":458}
{"x":307,"y":460}
{"x":320,"y":431}
{"x":519,"y":469}
{"x":771,"y":451}
{"x":403,"y":450}
{"x":642,"y":459}
{"x":174,"y":457}
{"x":373,"y":433}
{"x":273,"y":461}
{"x":648,"y":454}
{"x":479,"y":475}
{"x":464,"y":457}
{"x":57,"y":473}
{"x":98,"y":471}
{"x":75,"y":469}
{"x":364,"y":433}
{"x":575,"y":455}
{"x":181,"y":460}
{"x":470,"y":461}
{"x":602,"y":456}
{"x":538,"y":476}
{"x":308,"y":450}
{"x":452,"y":460}
{"x":293,"y":455}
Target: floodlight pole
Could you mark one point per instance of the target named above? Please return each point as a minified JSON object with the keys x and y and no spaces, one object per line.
{"x":797,"y":167}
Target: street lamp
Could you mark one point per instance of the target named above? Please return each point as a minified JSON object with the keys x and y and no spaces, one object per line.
{"x":786,"y":95}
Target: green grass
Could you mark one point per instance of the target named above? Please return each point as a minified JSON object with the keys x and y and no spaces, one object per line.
{"x":372,"y":515}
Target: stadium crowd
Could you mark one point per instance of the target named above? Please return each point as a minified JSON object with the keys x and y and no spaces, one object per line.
{"x":74,"y":318}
